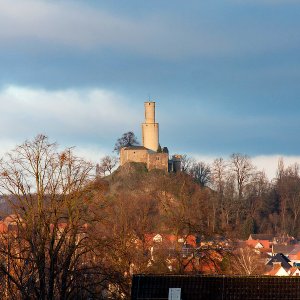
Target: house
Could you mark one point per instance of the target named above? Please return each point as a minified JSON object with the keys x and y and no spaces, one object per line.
{"x":268,"y":237}
{"x":10,"y":223}
{"x":173,"y":245}
{"x":151,"y":238}
{"x":277,"y":270}
{"x":170,"y":239}
{"x":3,"y":228}
{"x":294,"y":271}
{"x":204,"y":264}
{"x":294,"y":255}
{"x":282,"y":259}
{"x":284,"y":249}
{"x":284,"y":239}
{"x":260,"y":245}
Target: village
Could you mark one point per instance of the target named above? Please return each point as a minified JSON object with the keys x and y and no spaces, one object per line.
{"x":260,"y":254}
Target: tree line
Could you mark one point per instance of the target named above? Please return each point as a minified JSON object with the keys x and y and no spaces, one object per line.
{"x":244,"y":200}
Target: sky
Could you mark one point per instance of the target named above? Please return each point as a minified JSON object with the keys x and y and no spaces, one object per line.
{"x":225,"y":75}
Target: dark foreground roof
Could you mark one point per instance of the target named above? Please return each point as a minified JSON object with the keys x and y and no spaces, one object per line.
{"x":279,"y":257}
{"x":216,"y":287}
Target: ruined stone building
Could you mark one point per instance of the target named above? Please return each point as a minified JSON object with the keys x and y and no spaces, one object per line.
{"x":150,"y":153}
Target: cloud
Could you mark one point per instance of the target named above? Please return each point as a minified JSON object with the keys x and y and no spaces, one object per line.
{"x":269,"y":163}
{"x":81,"y":116}
{"x":266,"y":163}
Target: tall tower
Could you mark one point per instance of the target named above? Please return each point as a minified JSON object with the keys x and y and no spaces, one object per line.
{"x":150,"y":133}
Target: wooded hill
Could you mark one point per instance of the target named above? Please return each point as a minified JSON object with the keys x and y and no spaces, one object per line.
{"x":233,"y":202}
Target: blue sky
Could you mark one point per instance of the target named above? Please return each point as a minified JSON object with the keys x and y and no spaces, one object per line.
{"x":225,"y":74}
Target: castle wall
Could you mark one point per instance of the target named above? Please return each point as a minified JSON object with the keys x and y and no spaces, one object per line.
{"x":152,"y":160}
{"x":158,"y":161}
{"x":133,"y":155}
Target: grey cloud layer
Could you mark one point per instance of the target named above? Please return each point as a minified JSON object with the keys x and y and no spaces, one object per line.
{"x":74,"y":24}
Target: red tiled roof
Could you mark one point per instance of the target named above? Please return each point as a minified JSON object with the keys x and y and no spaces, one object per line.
{"x":294,"y":256}
{"x":170,"y":238}
{"x":149,"y":237}
{"x":253,"y":243}
{"x":191,"y":240}
{"x":3,"y":227}
{"x":274,"y":271}
{"x":265,"y":243}
{"x":265,"y":250}
{"x":268,"y":237}
{"x":293,"y":270}
{"x":12,"y":219}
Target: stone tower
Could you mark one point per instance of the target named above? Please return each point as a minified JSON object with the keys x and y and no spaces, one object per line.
{"x":150,"y":132}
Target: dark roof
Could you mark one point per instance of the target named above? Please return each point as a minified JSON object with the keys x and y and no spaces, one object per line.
{"x":285,"y":249}
{"x":285,"y":238}
{"x":296,"y":249}
{"x":195,"y":287}
{"x":259,"y":236}
{"x":279,"y":257}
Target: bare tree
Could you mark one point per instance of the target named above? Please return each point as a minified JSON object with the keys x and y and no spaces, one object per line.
{"x":242,"y":169}
{"x":218,"y":171}
{"x":186,"y":163}
{"x":280,"y":168}
{"x":201,"y":173}
{"x":48,"y":249}
{"x":107,"y":164}
{"x":218,"y":178}
{"x":246,"y":261}
{"x":230,"y":206}
{"x":126,"y":140}
{"x":256,"y":190}
{"x":288,"y":189}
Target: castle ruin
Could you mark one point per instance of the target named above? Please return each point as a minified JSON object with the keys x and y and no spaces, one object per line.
{"x":150,"y":153}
